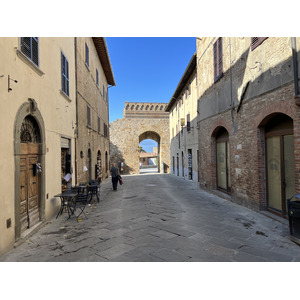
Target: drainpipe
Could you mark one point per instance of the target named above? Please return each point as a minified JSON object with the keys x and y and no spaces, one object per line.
{"x":76,"y":98}
{"x":295,"y":65}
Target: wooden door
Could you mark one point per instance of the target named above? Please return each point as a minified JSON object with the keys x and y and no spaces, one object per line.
{"x":29,"y":186}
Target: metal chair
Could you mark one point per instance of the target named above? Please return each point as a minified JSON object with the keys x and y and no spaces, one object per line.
{"x":93,"y":191}
{"x":80,"y":204}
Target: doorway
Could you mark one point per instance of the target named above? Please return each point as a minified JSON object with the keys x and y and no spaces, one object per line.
{"x":280,"y":162}
{"x":222,"y":159}
{"x":29,"y":206}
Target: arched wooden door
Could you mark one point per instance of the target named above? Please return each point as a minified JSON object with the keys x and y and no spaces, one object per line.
{"x":29,"y":174}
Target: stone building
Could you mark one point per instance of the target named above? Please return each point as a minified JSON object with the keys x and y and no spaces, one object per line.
{"x":140,"y":121}
{"x":182,"y":108}
{"x":38,"y":106}
{"x":94,"y":75}
{"x":249,"y":133}
{"x":54,"y":101}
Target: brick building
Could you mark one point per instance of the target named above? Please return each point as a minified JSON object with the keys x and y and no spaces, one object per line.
{"x":182,"y":108}
{"x":249,"y":133}
{"x":94,"y":75}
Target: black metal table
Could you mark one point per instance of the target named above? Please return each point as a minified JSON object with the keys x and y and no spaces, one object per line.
{"x":66,"y":199}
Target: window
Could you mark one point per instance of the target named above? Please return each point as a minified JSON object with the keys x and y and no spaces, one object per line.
{"x":98,"y":125}
{"x":218,"y":59}
{"x":103,"y":92}
{"x":256,"y":41}
{"x":97,"y":77}
{"x":30,"y":48}
{"x":105,"y":130}
{"x":87,"y":57}
{"x":88,"y":116}
{"x":188,"y":122}
{"x":64,"y":74}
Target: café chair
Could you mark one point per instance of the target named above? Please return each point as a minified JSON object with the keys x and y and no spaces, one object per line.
{"x":93,"y":191}
{"x":80,"y":204}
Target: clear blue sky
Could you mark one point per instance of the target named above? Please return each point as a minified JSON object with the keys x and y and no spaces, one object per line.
{"x":146,"y":69}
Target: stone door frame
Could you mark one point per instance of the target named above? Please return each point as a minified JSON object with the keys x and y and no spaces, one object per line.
{"x":28,"y":109}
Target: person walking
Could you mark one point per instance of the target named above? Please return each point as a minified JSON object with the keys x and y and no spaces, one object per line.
{"x":114,"y":171}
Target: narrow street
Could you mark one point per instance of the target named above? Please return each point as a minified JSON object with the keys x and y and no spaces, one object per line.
{"x":159,"y":218}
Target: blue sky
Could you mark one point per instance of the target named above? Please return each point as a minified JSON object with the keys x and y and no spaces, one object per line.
{"x":146,"y":70}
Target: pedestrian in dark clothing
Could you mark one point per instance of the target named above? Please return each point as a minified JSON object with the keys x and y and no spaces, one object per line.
{"x":114,"y":171}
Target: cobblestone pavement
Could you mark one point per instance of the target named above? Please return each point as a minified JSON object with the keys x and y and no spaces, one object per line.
{"x":159,"y":218}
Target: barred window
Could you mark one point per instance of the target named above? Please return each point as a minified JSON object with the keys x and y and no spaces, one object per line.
{"x":30,"y":48}
{"x":256,"y":41}
{"x":64,"y":74}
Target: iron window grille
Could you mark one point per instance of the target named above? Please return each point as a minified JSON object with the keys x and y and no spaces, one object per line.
{"x":30,"y":48}
{"x":256,"y":41}
{"x":64,"y":74}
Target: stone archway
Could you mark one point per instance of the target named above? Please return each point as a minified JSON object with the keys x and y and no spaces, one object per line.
{"x":29,"y":149}
{"x":140,"y":122}
{"x":151,"y":135}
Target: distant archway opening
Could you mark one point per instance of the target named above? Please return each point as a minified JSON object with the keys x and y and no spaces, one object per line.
{"x":149,"y":156}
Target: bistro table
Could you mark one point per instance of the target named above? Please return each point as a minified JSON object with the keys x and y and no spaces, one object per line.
{"x":66,"y":199}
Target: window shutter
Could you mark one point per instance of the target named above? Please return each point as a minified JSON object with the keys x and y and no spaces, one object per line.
{"x":26,"y":46}
{"x":220,"y":56}
{"x":35,"y":50}
{"x":215,"y":60}
{"x":88,"y":116}
{"x":62,"y":71}
{"x":67,"y":77}
{"x":87,"y":55}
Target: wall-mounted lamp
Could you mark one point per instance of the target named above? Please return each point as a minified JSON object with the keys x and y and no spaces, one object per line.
{"x":10,"y":79}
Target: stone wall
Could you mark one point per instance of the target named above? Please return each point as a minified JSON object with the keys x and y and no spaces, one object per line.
{"x":127,"y":133}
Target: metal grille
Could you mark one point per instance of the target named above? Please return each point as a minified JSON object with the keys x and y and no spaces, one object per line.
{"x":29,"y":131}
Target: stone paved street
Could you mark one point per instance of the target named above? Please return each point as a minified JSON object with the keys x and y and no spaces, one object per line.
{"x":159,"y":218}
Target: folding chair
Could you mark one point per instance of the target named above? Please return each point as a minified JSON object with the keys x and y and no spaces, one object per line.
{"x":80,"y":204}
{"x":93,"y":190}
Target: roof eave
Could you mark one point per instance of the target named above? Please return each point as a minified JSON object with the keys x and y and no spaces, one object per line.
{"x":102,"y":51}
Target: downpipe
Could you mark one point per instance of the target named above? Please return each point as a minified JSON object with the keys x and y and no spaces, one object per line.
{"x":295,"y":67}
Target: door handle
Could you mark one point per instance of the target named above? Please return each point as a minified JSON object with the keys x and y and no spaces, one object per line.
{"x":22,"y":186}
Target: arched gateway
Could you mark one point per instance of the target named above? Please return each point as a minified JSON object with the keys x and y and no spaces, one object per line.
{"x":140,"y":121}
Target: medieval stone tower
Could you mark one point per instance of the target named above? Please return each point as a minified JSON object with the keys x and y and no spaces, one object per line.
{"x":140,"y":121}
